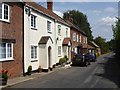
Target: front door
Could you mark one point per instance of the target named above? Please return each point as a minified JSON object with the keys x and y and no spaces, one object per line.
{"x":49,"y":57}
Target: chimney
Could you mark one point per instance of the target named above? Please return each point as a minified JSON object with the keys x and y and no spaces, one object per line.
{"x":50,"y":5}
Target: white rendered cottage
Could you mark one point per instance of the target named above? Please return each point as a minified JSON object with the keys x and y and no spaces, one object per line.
{"x":44,"y":33}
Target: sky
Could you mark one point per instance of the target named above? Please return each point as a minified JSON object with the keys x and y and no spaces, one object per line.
{"x":101,"y":15}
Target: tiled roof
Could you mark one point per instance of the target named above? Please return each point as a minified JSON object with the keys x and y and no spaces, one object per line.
{"x":46,"y":12}
{"x":90,"y":47}
{"x":44,"y":40}
{"x":92,"y":43}
{"x":75,"y":27}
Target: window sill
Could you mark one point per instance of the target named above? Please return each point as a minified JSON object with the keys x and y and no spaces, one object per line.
{"x":33,"y":28}
{"x":59,"y":55}
{"x":6,"y":60}
{"x":6,"y":21}
{"x":34,"y":60}
{"x":50,"y":32}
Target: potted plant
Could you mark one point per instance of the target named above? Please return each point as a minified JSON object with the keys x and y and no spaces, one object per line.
{"x":39,"y":69}
{"x":29,"y":70}
{"x":66,"y":58}
{"x":4,"y":77}
{"x":62,"y":61}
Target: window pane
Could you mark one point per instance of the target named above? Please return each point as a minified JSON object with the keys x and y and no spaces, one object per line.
{"x":33,"y":21}
{"x":49,"y":26}
{"x":59,"y":30}
{"x":33,"y":52}
{"x":59,"y":50}
{"x":2,"y":50}
{"x":9,"y":50}
{"x":66,"y":32}
{"x":0,"y":10}
{"x":5,"y":12}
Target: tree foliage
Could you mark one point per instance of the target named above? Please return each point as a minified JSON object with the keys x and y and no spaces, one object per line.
{"x":80,"y":20}
{"x":116,"y":34}
{"x":102,"y":43}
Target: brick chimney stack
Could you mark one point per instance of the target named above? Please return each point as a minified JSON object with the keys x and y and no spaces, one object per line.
{"x":50,"y":5}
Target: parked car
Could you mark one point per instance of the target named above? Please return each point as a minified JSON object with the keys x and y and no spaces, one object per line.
{"x":80,"y":60}
{"x":91,"y":57}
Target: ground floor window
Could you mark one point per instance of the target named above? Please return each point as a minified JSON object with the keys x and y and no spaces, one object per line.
{"x":33,"y":52}
{"x":6,"y":51}
{"x":59,"y":50}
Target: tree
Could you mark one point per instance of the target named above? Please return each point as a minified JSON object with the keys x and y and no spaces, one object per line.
{"x":103,"y":44}
{"x":111,"y":44}
{"x":116,"y":35}
{"x":79,"y":19}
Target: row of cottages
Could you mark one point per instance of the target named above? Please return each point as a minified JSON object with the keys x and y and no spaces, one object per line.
{"x":44,"y":32}
{"x":33,"y":35}
{"x":78,"y":40}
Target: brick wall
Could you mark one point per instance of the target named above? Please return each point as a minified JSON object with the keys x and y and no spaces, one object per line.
{"x":14,"y":30}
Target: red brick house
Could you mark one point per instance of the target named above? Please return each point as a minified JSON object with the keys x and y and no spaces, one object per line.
{"x":11,"y":38}
{"x":78,"y":40}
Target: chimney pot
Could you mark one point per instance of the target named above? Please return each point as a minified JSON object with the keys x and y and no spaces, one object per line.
{"x":50,"y":5}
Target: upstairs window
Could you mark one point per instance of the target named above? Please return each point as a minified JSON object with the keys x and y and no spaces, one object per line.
{"x":74,"y":37}
{"x":33,"y":21}
{"x":86,"y":40}
{"x":66,"y":32}
{"x":4,"y":12}
{"x":49,"y":26}
{"x":77,"y":38}
{"x":59,"y":30}
{"x":80,"y":38}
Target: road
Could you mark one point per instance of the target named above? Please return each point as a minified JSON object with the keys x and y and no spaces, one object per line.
{"x":101,"y":74}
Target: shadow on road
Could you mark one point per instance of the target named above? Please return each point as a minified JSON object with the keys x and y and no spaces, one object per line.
{"x":111,"y":70}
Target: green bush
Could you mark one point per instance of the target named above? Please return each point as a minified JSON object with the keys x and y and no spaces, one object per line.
{"x":66,"y":58}
{"x":62,"y":60}
{"x":29,"y":70}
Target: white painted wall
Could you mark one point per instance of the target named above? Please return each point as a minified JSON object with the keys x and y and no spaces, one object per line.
{"x":61,"y":38}
{"x":32,"y":37}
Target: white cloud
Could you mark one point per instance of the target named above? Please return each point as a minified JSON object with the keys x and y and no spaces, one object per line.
{"x":59,"y":13}
{"x":110,"y":9}
{"x":96,"y":12}
{"x":108,"y":21}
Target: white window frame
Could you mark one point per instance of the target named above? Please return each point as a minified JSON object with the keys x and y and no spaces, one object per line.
{"x":59,"y":50}
{"x":66,"y":32}
{"x":77,"y":38}
{"x":59,"y":30}
{"x":49,"y":30}
{"x":2,"y":19}
{"x":84,"y":40}
{"x":80,"y":38}
{"x":74,"y":37}
{"x":6,"y":52}
{"x":34,"y":53}
{"x":34,"y":26}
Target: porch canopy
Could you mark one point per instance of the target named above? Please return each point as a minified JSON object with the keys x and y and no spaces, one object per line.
{"x":67,"y":42}
{"x":44,"y":40}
